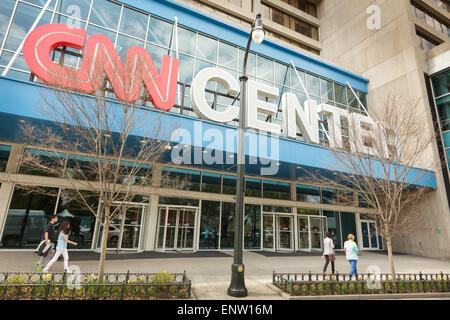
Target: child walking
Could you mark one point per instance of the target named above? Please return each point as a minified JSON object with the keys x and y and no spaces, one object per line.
{"x":61,"y":247}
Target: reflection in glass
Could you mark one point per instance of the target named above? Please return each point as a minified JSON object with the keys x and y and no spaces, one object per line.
{"x":186,"y":41}
{"x":206,"y":48}
{"x":229,"y":184}
{"x":27,"y":217}
{"x":4,"y":156}
{"x":312,"y":85}
{"x":264,"y":68}
{"x":268,"y":228}
{"x":105,"y":13}
{"x":228,"y":55}
{"x":23,"y":20}
{"x":134,"y":23}
{"x":227,"y":225}
{"x":308,"y":194}
{"x":124,"y":43}
{"x":276,"y":190}
{"x":252,"y":227}
{"x":209,"y":225}
{"x":73,"y":7}
{"x":160,"y":32}
{"x":6,"y":9}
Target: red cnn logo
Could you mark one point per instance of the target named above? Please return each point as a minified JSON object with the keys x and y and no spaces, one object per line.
{"x":100,"y":57}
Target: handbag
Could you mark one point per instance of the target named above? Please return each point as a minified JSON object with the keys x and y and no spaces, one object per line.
{"x":331,"y":257}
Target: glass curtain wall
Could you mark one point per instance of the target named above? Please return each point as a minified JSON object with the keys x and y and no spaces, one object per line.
{"x":127,"y":27}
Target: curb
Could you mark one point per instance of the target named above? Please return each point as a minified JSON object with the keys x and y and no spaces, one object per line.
{"x":361,"y":296}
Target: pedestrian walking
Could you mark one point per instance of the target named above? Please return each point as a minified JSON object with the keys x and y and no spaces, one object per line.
{"x":47,"y":249}
{"x":61,"y":247}
{"x":328,"y":253}
{"x":351,"y":253}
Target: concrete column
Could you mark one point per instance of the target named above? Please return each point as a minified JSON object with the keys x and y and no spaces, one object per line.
{"x":151,"y":221}
{"x":6,"y":191}
{"x":7,"y":188}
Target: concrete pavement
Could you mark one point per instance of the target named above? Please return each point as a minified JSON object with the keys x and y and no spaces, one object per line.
{"x":211,"y":276}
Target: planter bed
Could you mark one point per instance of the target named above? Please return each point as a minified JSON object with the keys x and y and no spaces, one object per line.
{"x":116,"y":286}
{"x":298,"y":284}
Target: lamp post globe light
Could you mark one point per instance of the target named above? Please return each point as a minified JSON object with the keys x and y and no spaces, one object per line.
{"x":237,"y":286}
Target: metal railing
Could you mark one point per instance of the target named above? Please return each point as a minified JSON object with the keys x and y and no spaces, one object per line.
{"x":85,"y":286}
{"x":312,"y":284}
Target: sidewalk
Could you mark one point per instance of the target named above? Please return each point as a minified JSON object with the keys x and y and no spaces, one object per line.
{"x":211,"y":275}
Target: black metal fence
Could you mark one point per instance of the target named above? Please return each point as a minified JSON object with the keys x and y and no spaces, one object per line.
{"x":309,"y":284}
{"x":86,"y":286}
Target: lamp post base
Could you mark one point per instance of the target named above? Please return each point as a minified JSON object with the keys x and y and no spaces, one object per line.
{"x":237,"y":287}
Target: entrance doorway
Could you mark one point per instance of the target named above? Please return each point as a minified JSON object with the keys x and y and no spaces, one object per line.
{"x":176,"y":228}
{"x":125,"y":229}
{"x":311,"y":232}
{"x":369,"y":234}
{"x":278,"y":232}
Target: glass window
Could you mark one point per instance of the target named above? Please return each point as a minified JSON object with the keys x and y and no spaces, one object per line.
{"x":209,"y":225}
{"x":6,"y":9}
{"x":363,"y":99}
{"x":211,"y":182}
{"x":42,"y":3}
{"x":78,"y":9}
{"x":96,"y":30}
{"x":276,"y":190}
{"x":441,"y":83}
{"x":251,"y":62}
{"x":252,"y":187}
{"x":135,"y":173}
{"x":42,"y":163}
{"x":341,"y":96}
{"x":4,"y":156}
{"x":227,"y":225}
{"x":179,"y":201}
{"x":105,"y":13}
{"x":124,"y":43}
{"x":346,"y":198}
{"x":308,"y":212}
{"x":182,"y":179}
{"x":334,"y":227}
{"x":281,"y":74}
{"x":228,"y":55}
{"x":206,"y":48}
{"x":69,"y":21}
{"x":329,"y":196}
{"x":252,"y":227}
{"x":348,"y":223}
{"x":352,"y":101}
{"x":134,"y":23}
{"x":82,"y":221}
{"x":186,"y":41}
{"x":186,"y":68}
{"x":295,"y":81}
{"x":308,"y":194}
{"x":82,"y":167}
{"x":264,"y":69}
{"x":157,"y":53}
{"x":27,"y":217}
{"x":312,"y":85}
{"x":229,"y":184}
{"x":160,"y":32}
{"x":277,"y":209}
{"x":23,"y":20}
{"x":327,"y":90}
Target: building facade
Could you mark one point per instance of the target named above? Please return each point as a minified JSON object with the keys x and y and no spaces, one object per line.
{"x":339,"y":64}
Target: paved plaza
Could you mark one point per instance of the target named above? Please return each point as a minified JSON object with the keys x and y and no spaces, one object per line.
{"x":210,"y":273}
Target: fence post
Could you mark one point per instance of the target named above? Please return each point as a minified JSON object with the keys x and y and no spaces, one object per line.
{"x":124,"y":284}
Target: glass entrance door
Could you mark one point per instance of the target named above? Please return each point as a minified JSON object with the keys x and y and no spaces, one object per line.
{"x":278,"y":232}
{"x":268,"y":229}
{"x":369,"y":234}
{"x":176,"y":228}
{"x":311,"y":232}
{"x":125,"y":229}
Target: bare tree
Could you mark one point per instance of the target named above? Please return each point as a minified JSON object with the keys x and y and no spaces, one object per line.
{"x":110,"y":146}
{"x":378,"y":160}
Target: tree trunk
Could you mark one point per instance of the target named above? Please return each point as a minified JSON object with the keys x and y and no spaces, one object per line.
{"x":391,"y":257}
{"x":101,"y":263}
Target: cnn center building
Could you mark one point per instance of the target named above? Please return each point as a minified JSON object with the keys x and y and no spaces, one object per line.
{"x":281,"y":214}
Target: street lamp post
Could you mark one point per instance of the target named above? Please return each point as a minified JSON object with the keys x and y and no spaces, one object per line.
{"x":237,"y":286}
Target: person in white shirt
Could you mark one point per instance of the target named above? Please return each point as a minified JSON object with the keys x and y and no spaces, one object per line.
{"x":328,"y":253}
